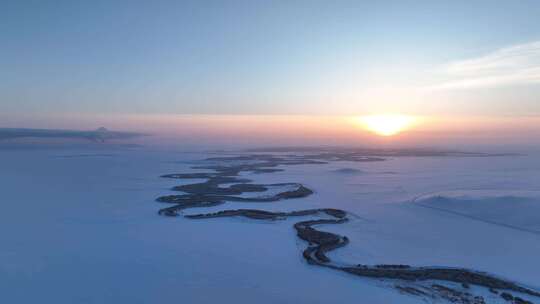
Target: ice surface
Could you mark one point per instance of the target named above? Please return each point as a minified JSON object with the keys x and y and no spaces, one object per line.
{"x":513,"y":209}
{"x":81,"y":226}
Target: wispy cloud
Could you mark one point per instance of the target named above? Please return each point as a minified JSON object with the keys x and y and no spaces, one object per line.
{"x":515,"y":65}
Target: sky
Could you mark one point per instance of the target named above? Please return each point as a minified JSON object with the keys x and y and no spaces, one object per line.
{"x":63,"y":59}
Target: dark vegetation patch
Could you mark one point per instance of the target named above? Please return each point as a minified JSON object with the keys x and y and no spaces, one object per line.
{"x":350,"y":171}
{"x":224,"y":185}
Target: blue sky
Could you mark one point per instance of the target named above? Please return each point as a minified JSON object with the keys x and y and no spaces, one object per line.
{"x":270,"y":57}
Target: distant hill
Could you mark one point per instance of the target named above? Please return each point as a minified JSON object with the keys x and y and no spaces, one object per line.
{"x":99,"y":135}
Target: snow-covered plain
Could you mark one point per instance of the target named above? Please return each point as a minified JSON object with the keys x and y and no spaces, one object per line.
{"x":81,"y":226}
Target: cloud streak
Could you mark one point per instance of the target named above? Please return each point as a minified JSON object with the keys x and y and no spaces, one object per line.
{"x":515,"y":65}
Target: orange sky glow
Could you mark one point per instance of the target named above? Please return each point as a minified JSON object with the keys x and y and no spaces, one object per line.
{"x":309,"y":130}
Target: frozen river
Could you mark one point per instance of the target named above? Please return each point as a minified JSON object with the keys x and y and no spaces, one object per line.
{"x":81,"y":226}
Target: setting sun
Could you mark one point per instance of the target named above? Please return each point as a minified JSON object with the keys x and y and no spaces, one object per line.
{"x":387,"y":124}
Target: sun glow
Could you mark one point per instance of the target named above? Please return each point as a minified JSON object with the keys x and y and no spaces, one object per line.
{"x":387,"y":124}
